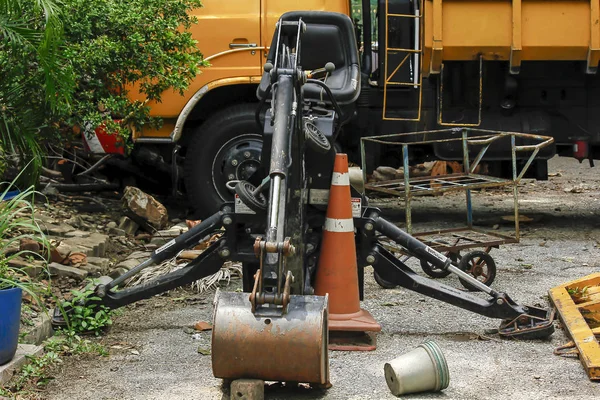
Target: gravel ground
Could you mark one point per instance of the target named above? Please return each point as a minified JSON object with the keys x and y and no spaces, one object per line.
{"x":559,"y":244}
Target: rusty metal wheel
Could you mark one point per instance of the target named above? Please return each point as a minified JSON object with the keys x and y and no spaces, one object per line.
{"x":480,"y":265}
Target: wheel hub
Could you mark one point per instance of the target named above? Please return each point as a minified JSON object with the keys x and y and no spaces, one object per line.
{"x":238,"y":159}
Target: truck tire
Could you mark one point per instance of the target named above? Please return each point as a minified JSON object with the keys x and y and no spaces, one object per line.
{"x":225,"y":147}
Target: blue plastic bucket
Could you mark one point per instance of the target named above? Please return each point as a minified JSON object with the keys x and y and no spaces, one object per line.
{"x":10,"y":321}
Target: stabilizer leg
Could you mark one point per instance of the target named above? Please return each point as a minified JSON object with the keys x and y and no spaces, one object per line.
{"x":207,"y":263}
{"x":519,"y":321}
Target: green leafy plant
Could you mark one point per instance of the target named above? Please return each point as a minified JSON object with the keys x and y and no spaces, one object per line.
{"x":71,"y":65}
{"x":84,"y":314}
{"x":122,"y":47}
{"x":17,"y":222}
{"x":67,"y":342}
{"x":38,"y":372}
{"x":35,"y":79}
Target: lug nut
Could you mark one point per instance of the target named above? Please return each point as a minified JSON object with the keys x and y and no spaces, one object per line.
{"x":231,"y":177}
{"x":499,"y":302}
{"x":224,"y":252}
{"x":227,"y":220}
{"x":247,"y":154}
{"x":369,"y":226}
{"x":234,"y":162}
{"x":370,"y":258}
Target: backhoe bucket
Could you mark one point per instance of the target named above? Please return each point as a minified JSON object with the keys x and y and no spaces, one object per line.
{"x":268,"y":345}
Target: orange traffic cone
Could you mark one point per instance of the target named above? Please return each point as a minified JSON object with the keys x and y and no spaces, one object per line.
{"x":337,"y":272}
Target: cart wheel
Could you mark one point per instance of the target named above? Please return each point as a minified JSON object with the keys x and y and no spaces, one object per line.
{"x":382,"y":282}
{"x":479,"y":265}
{"x":435,"y":272}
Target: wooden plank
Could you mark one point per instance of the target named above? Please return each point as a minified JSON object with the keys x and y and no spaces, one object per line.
{"x":577,"y":327}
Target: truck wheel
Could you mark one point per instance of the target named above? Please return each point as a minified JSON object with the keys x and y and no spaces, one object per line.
{"x":226,"y":147}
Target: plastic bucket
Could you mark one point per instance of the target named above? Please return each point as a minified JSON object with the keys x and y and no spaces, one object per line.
{"x":423,"y":369}
{"x":10,"y":320}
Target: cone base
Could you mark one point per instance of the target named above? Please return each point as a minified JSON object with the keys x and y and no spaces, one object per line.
{"x":361,"y":321}
{"x":348,"y":332}
{"x":352,"y":341}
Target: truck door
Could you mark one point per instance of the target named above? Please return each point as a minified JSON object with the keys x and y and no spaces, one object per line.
{"x":227,"y":31}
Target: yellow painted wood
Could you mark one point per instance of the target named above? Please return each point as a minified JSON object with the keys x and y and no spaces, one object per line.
{"x":574,"y":322}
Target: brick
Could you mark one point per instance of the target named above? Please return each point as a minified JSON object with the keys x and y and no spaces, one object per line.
{"x":128,"y":225}
{"x":247,"y":389}
{"x":65,"y":271}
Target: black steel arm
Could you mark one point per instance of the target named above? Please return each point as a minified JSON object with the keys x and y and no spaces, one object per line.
{"x":207,"y":263}
{"x":169,"y":250}
{"x":395,"y":271}
{"x":524,"y":322}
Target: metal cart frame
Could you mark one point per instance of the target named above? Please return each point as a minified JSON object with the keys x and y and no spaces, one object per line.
{"x":457,"y":239}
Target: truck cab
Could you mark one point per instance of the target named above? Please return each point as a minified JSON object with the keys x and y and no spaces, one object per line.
{"x":212,"y":126}
{"x":522,"y":66}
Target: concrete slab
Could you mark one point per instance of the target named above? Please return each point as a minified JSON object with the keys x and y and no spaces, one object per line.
{"x":40,"y":332}
{"x":23,"y":351}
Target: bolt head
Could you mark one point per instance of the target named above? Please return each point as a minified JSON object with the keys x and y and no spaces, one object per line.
{"x":370,"y":259}
{"x":224,"y":253}
{"x":234,"y":162}
{"x":499,"y":302}
{"x":231,"y":177}
{"x":369,"y":226}
{"x":227,"y":220}
{"x":247,"y":154}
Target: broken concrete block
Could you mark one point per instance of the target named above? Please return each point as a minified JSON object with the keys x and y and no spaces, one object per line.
{"x":75,"y":221}
{"x":99,"y":261}
{"x":247,"y":389}
{"x":77,"y":234}
{"x":117,"y":232}
{"x":68,"y":272}
{"x":93,"y":246}
{"x":111,"y":224}
{"x":128,"y":264}
{"x":59,"y":229}
{"x":146,"y":207}
{"x":128,"y":225}
{"x":93,"y":271}
{"x":34,"y":269}
{"x":40,"y":332}
{"x":117,"y":272}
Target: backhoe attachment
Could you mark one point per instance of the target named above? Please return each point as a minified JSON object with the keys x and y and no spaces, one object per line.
{"x":519,"y":322}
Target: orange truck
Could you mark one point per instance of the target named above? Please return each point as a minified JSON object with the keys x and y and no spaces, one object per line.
{"x":509,"y":65}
